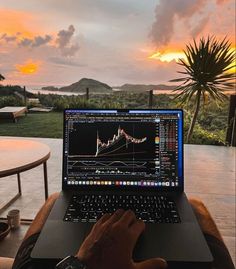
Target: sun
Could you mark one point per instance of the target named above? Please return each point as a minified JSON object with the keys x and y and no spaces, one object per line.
{"x":28,"y":68}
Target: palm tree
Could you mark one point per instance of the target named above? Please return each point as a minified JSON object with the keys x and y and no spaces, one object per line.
{"x":207,"y":69}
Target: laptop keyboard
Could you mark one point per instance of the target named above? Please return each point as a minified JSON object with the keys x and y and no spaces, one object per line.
{"x":151,"y":209}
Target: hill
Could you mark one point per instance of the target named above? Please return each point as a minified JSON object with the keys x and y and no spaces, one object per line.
{"x":94,"y":86}
{"x":50,"y":88}
{"x":143,"y":87}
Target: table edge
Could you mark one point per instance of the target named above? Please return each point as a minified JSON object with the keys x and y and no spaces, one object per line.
{"x":25,"y":167}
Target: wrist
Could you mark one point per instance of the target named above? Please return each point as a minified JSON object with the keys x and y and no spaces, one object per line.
{"x":85,"y":260}
{"x":95,"y":262}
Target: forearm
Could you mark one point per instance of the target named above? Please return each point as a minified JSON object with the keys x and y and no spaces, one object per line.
{"x":205,"y":219}
{"x":41,"y":216}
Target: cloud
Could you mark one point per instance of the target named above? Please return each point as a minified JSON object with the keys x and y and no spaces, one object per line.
{"x":168,"y":56}
{"x":37,"y":41}
{"x":64,"y":41}
{"x":70,"y":51}
{"x":65,"y":62}
{"x":25,"y":42}
{"x":64,"y":36}
{"x":219,"y":2}
{"x":197,"y":29}
{"x":167,"y":12}
{"x":8,"y":38}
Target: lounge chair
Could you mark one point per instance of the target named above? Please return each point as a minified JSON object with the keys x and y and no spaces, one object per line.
{"x":13,"y":112}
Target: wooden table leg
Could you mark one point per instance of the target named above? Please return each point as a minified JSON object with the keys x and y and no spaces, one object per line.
{"x":13,"y":199}
{"x":6,"y":205}
{"x":45,"y":179}
{"x":19,"y":183}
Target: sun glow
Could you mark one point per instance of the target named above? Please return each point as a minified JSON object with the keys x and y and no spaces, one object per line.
{"x":16,"y":23}
{"x":28,"y":67}
{"x":232,"y":66}
{"x":167,"y":56}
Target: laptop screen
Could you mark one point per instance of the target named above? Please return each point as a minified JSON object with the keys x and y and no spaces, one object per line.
{"x":123,"y":148}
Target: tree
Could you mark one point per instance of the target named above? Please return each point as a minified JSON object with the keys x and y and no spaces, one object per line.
{"x":207,"y":69}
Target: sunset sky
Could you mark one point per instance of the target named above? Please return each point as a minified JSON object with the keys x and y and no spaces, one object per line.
{"x":58,"y":42}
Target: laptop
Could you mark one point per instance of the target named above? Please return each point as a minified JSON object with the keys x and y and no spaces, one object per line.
{"x":130,"y":159}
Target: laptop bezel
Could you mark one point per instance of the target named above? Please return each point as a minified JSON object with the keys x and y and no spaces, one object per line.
{"x":88,"y":188}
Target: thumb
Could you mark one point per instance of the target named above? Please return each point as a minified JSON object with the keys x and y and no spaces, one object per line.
{"x":156,"y":263}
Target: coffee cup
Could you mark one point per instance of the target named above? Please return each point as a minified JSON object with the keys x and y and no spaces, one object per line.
{"x":13,"y":218}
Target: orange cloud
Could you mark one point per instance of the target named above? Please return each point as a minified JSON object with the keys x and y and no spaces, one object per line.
{"x":29,"y":67}
{"x":167,"y":56}
{"x":13,"y":22}
{"x":174,"y":55}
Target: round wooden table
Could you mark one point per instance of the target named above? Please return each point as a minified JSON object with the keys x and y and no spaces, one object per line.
{"x":17,"y":156}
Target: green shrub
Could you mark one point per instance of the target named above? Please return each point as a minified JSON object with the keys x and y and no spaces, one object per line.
{"x":10,"y":101}
{"x":203,"y":136}
{"x":11,"y":89}
{"x":211,"y":123}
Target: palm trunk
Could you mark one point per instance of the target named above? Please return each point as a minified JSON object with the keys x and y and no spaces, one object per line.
{"x":191,"y":127}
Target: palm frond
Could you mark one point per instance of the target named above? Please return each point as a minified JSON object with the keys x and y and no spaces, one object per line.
{"x":206,"y":69}
{"x":2,"y":77}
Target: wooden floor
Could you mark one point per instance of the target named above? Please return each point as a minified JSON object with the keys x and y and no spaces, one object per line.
{"x":209,"y":175}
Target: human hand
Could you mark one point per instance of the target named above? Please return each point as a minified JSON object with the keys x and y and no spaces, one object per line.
{"x":111,"y":242}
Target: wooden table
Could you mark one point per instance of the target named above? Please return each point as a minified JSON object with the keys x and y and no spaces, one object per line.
{"x":17,"y":156}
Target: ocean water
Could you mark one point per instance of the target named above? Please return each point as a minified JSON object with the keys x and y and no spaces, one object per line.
{"x":156,"y":92}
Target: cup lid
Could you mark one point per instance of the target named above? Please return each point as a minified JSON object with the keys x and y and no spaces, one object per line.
{"x":13,"y":212}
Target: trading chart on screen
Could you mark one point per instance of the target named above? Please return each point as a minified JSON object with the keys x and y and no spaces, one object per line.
{"x":111,"y":148}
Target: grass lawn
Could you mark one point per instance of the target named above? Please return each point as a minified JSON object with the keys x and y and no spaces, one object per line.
{"x":35,"y":125}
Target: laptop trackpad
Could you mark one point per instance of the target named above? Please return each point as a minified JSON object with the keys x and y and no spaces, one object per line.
{"x":179,"y":242}
{"x":175,"y":242}
{"x":59,"y":239}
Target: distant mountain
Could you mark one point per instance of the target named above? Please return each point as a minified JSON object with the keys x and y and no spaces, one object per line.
{"x":94,"y":86}
{"x":143,"y":87}
{"x":50,"y":88}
